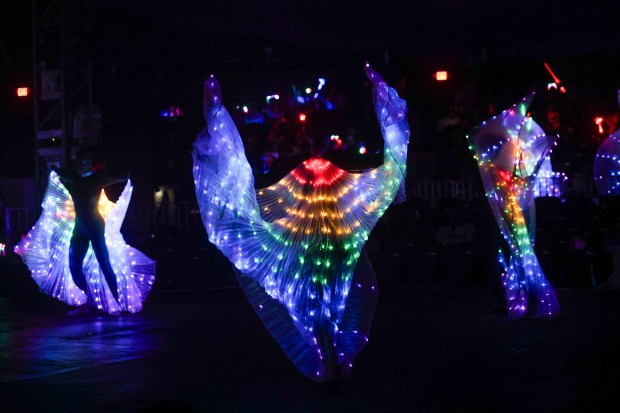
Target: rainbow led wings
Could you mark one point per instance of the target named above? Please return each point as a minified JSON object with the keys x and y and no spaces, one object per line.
{"x":607,"y":165}
{"x":297,"y":245}
{"x":510,"y":149}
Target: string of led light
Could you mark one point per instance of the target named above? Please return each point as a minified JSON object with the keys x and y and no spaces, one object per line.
{"x":45,"y":250}
{"x":510,"y":149}
{"x":607,"y":166}
{"x":297,"y":244}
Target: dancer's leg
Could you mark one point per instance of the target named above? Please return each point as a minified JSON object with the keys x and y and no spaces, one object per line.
{"x":103,"y":258}
{"x":77,"y":251}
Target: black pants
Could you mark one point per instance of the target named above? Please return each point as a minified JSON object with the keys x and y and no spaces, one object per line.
{"x":93,"y":233}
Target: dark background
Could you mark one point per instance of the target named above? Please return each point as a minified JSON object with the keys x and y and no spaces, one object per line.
{"x":436,"y":344}
{"x":150,"y":55}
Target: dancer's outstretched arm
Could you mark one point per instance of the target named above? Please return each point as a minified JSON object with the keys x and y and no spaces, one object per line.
{"x":225,"y":184}
{"x":377,"y":188}
{"x":391,"y":113}
{"x":222,"y":156}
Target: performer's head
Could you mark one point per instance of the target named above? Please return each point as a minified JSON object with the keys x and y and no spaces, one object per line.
{"x":320,"y":125}
{"x":85,"y":161}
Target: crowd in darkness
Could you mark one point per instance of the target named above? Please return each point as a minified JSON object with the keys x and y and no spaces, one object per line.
{"x":452,"y":240}
{"x":286,"y":130}
{"x":278,"y":132}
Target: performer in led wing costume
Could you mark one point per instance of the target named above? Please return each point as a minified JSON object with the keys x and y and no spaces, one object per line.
{"x":510,"y":149}
{"x":76,"y":257}
{"x":607,"y":165}
{"x":607,"y":179}
{"x":297,"y":245}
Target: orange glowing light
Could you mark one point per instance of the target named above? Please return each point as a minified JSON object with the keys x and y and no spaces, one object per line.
{"x":441,"y":75}
{"x":302,"y":117}
{"x":22,"y":92}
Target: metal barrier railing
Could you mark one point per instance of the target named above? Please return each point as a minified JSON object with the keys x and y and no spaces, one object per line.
{"x":17,"y":221}
{"x":435,"y":190}
{"x":144,"y":219}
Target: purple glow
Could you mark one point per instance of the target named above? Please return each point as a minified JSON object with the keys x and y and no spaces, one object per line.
{"x":45,"y":250}
{"x":510,"y":150}
{"x":607,"y":166}
{"x":297,"y":245}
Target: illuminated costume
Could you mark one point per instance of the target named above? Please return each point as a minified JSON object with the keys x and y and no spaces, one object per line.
{"x":510,"y":149}
{"x":297,"y":245}
{"x":607,"y":179}
{"x":607,"y":166}
{"x":548,"y":182}
{"x":46,"y":249}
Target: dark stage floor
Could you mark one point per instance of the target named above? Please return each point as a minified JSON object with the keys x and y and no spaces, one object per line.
{"x":434,"y":348}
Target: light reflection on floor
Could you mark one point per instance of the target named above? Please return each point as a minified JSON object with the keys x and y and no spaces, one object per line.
{"x":58,"y":345}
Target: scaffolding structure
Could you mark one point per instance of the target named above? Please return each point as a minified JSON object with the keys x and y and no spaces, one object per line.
{"x":65,"y":117}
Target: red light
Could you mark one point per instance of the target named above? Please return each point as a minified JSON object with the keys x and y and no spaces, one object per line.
{"x":22,"y":92}
{"x":441,"y":75}
{"x":302,"y":117}
{"x":316,"y":164}
{"x":599,"y":121}
{"x":506,"y":176}
{"x":555,"y":78}
{"x":317,"y":172}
